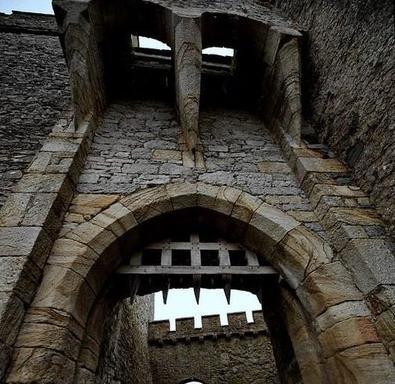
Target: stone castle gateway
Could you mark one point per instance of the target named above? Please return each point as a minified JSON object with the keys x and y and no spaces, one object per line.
{"x":127,"y":170}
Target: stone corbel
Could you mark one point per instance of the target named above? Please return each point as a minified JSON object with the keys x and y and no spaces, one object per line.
{"x":82,"y":56}
{"x":187,"y":47}
{"x":283,"y":103}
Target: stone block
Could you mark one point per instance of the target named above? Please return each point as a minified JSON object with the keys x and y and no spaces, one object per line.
{"x":72,"y":254}
{"x":65,"y":290}
{"x":273,"y":167}
{"x":62,"y":144}
{"x":385,"y":324}
{"x":371,"y":261}
{"x":117,"y":219}
{"x":206,"y":195}
{"x":299,"y":253}
{"x":19,"y":275}
{"x":340,"y":312}
{"x":92,"y":235}
{"x":167,"y":155}
{"x":28,"y":209}
{"x":41,"y":365}
{"x":91,"y":204}
{"x":304,"y":165}
{"x":226,"y":199}
{"x":182,"y":195}
{"x":148,"y":203}
{"x":328,"y":285}
{"x":49,"y":183}
{"x":320,"y":190}
{"x":36,"y":335}
{"x":245,"y":207}
{"x":31,"y":242}
{"x":363,"y":364}
{"x":12,"y":311}
{"x":351,"y":216}
{"x":346,"y":334}
{"x":266,"y":228}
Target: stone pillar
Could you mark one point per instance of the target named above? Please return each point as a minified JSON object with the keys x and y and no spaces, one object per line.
{"x":80,"y":45}
{"x":187,"y":46}
{"x":282,"y":105}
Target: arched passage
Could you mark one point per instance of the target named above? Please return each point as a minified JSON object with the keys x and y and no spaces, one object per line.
{"x":322,"y":305}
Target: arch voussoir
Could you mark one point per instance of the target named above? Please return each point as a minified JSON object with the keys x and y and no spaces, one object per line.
{"x":81,"y":262}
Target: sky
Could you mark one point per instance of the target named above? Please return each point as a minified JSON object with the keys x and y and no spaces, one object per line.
{"x":39,"y":6}
{"x":181,"y":302}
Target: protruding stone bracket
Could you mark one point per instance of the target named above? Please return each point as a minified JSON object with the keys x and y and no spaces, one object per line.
{"x":81,"y":49}
{"x":282,"y":83}
{"x":187,"y":48}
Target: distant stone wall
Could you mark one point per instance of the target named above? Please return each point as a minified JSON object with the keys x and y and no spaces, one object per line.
{"x":348,"y":85}
{"x":125,"y":355}
{"x":34,"y":90}
{"x":239,"y":353}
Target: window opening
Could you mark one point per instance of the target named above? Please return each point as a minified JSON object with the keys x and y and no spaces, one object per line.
{"x":148,"y":42}
{"x":180,"y":257}
{"x":238,"y":258}
{"x":209,"y":257}
{"x":219,"y":51}
{"x":151,"y":257}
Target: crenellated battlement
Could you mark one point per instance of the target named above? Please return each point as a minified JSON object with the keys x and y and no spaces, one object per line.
{"x":238,"y":326}
{"x":28,"y":22}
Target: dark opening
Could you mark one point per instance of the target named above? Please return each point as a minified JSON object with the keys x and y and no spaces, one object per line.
{"x":237,"y":258}
{"x":180,"y":257}
{"x":209,"y":257}
{"x":151,"y":257}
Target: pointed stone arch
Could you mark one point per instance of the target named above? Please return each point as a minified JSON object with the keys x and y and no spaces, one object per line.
{"x":50,"y":342}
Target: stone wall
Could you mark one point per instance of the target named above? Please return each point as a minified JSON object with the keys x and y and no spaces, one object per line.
{"x":138,"y":146}
{"x":239,"y":353}
{"x":348,"y":87}
{"x":125,"y":355}
{"x":34,"y":90}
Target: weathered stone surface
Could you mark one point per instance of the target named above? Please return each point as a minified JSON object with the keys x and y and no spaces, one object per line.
{"x":148,"y":203}
{"x":25,"y":241}
{"x":320,"y":190}
{"x":57,"y":291}
{"x":274,"y":167}
{"x":371,"y":261}
{"x":267,"y":227}
{"x":366,"y":363}
{"x":349,"y":94}
{"x":49,"y":183}
{"x":117,"y":219}
{"x":35,"y":93}
{"x":27,"y":209}
{"x":47,"y":365}
{"x":91,"y":204}
{"x":348,"y":333}
{"x":340,"y":312}
{"x":213,"y":352}
{"x":385,"y":323}
{"x":312,"y":164}
{"x":11,"y":315}
{"x":167,"y":155}
{"x":92,"y":235}
{"x":187,"y":45}
{"x":35,"y":335}
{"x":318,"y":292}
{"x":299,"y":254}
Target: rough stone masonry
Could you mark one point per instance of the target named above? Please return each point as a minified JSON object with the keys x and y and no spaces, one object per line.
{"x":286,"y":149}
